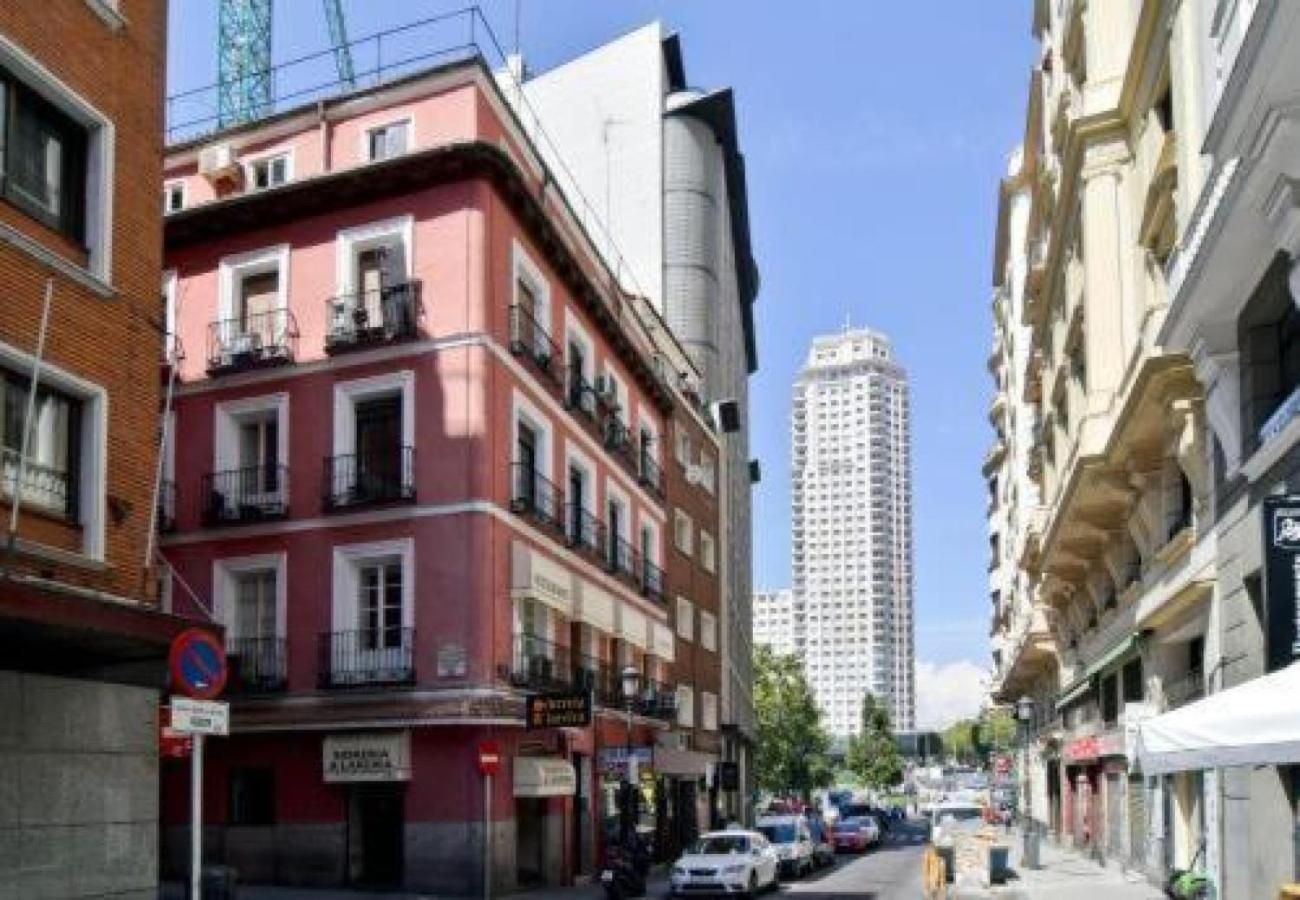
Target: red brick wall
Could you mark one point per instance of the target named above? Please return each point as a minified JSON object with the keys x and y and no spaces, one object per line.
{"x":114,"y":341}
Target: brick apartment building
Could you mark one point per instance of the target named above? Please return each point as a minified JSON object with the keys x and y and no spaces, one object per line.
{"x":421,"y":477}
{"x":82,"y":642}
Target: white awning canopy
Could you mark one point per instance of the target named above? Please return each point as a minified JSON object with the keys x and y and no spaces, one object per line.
{"x":544,"y":776}
{"x":1256,"y":723}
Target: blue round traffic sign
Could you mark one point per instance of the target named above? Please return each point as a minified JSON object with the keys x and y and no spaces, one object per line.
{"x":198,"y":664}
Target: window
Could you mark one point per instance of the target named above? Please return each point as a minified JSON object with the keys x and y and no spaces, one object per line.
{"x":682,"y":448}
{"x":685,"y":619}
{"x":1134,"y":690}
{"x":682,"y":536}
{"x":1110,"y":699}
{"x":43,"y":156}
{"x":708,"y":711}
{"x":685,"y":706}
{"x":380,"y":605}
{"x":387,"y":141}
{"x":173,"y":196}
{"x":255,"y":605}
{"x":1269,"y":337}
{"x":252,"y":796}
{"x":268,"y":172}
{"x":50,"y":478}
{"x":707,"y":551}
{"x":708,"y":631}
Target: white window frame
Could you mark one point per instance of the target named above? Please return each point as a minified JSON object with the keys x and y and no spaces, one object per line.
{"x":708,"y":630}
{"x":622,"y":401}
{"x":524,"y":268}
{"x":573,"y":457}
{"x":575,"y":332}
{"x":523,"y":411}
{"x":685,"y":706}
{"x":347,"y":394}
{"x":225,"y":575}
{"x":645,"y":423}
{"x":363,"y":151}
{"x":351,"y":241}
{"x":708,"y":711}
{"x":685,"y":616}
{"x":230,"y":415}
{"x":268,"y":156}
{"x":347,"y":560}
{"x":620,"y":496}
{"x":687,"y":547}
{"x":708,"y":552}
{"x":168,"y":187}
{"x":100,"y":169}
{"x":232,"y":270}
{"x":92,"y":479}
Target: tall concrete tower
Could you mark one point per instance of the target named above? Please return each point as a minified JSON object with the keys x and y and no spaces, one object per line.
{"x":853,"y":528}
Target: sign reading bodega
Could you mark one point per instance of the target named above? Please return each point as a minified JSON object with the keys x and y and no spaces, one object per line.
{"x":371,"y":756}
{"x":1282,"y":580}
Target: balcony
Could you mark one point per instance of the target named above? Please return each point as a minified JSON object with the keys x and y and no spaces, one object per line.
{"x":51,"y":490}
{"x":254,"y":341}
{"x":367,"y":658}
{"x":373,"y":318}
{"x":167,"y":506}
{"x":605,"y":684}
{"x":656,"y":700}
{"x":532,"y":494}
{"x":256,"y":665}
{"x":649,"y":474}
{"x":360,"y":479}
{"x":652,"y":582}
{"x":1185,"y":689}
{"x":241,"y":496}
{"x":540,"y":665}
{"x":586,"y":533}
{"x":531,"y":341}
{"x":617,"y":438}
{"x":624,"y":561}
{"x":580,"y":396}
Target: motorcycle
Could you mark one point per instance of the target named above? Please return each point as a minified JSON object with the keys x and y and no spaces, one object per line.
{"x":623,"y":874}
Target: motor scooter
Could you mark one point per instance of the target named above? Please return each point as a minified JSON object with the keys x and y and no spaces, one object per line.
{"x":623,"y":873}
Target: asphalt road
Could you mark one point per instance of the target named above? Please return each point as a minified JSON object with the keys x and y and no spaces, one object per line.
{"x":889,"y":871}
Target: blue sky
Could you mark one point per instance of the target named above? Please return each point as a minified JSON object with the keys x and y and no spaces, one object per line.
{"x":874,"y":135}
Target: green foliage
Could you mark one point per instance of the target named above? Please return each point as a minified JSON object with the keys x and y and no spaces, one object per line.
{"x":970,"y":741}
{"x":873,"y":754}
{"x":793,"y":746}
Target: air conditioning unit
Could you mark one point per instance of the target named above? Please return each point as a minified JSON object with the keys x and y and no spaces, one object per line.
{"x":218,"y":164}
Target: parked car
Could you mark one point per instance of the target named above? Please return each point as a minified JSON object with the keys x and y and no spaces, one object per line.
{"x":792,"y":838}
{"x":726,"y":862}
{"x":856,"y":833}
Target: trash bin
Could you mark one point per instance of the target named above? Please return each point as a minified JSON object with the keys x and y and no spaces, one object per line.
{"x":999,"y":862}
{"x":218,"y":883}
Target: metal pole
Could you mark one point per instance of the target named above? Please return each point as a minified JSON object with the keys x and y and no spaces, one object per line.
{"x":196,"y":819}
{"x":20,"y":471}
{"x":487,"y":837}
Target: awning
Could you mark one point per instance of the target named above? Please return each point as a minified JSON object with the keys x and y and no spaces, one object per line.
{"x":1083,"y":683}
{"x":535,"y":576}
{"x":1073,"y":692}
{"x":663,"y":639}
{"x":1256,"y":723}
{"x":633,"y":627}
{"x":596,"y":607}
{"x":544,"y":776}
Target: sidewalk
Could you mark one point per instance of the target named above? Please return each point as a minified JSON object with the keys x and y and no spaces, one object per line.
{"x":1063,"y":875}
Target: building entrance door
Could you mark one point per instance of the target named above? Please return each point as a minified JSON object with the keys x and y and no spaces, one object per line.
{"x":376,"y":816}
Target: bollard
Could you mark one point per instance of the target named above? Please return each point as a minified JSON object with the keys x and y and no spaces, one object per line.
{"x":1029,"y":852}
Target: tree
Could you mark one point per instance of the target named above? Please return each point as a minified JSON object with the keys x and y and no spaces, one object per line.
{"x":999,"y":728}
{"x":793,"y":745}
{"x":959,"y":741}
{"x":873,"y":754}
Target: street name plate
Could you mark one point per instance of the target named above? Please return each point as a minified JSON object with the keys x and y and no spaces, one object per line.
{"x":200,"y":716}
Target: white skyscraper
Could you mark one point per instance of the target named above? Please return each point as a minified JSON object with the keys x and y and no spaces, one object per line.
{"x":774,"y":620}
{"x":852,"y":522}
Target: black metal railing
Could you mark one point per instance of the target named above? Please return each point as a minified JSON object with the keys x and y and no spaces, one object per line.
{"x":530,"y":340}
{"x":250,"y":494}
{"x":599,"y":677}
{"x":650,"y":473}
{"x":535,"y":495}
{"x":652,"y":581}
{"x":355,"y":479}
{"x":1185,"y":689}
{"x":167,"y":505}
{"x":366,"y":318}
{"x":585,"y":532}
{"x":260,"y":339}
{"x":579,"y":395}
{"x":256,"y":665}
{"x":374,"y":656}
{"x":42,"y":487}
{"x":623,"y":560}
{"x":656,"y":700}
{"x":541,"y":665}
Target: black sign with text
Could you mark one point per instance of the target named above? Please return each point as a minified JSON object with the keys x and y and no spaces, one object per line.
{"x":1281,"y":580}
{"x":559,"y":710}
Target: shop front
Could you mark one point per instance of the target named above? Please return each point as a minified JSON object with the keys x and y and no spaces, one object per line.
{"x":374,"y":768}
{"x":542,"y":788}
{"x":683,"y":793}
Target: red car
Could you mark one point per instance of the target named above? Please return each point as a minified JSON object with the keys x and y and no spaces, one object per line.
{"x":854,"y":834}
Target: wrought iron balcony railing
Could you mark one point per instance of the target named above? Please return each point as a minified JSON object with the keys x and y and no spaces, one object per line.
{"x":585,"y":532}
{"x":530,"y":340}
{"x":250,"y":494}
{"x":624,"y":561}
{"x":652,"y":581}
{"x":541,"y":665}
{"x":534,"y":495}
{"x":256,"y":665}
{"x":369,"y":318}
{"x":650,"y":473}
{"x":368,"y":657}
{"x":357,"y":479}
{"x":252,"y":341}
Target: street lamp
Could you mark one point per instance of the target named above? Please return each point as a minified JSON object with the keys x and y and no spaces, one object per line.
{"x":631,"y":681}
{"x":1025,"y":718}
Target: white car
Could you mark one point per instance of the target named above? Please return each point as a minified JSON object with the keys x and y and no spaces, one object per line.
{"x":793,"y":841}
{"x":726,"y":862}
